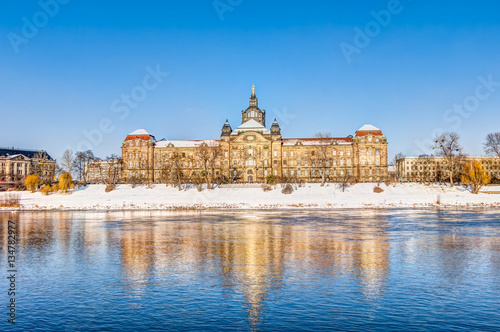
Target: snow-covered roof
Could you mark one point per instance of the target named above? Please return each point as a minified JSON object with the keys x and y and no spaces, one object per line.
{"x":316,"y":141}
{"x":368,"y":127}
{"x":140,"y":132}
{"x":251,"y":125}
{"x":185,"y":143}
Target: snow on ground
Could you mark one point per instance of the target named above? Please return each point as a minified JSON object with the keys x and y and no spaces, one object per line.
{"x":93,"y":197}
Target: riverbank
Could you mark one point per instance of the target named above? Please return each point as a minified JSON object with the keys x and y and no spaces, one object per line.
{"x":93,"y":197}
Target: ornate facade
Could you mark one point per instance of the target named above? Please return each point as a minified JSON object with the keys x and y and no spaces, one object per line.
{"x":251,"y":152}
{"x":17,"y":164}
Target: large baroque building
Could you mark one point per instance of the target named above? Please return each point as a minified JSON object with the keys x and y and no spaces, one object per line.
{"x":251,"y":152}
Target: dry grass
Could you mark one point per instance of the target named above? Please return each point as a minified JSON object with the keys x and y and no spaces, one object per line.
{"x":10,"y":200}
{"x":378,"y":190}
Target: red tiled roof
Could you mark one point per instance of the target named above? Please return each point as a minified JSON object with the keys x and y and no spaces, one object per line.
{"x":142,"y":137}
{"x":364,"y":133}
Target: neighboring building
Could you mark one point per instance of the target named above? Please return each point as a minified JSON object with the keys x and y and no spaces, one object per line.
{"x":432,"y":169}
{"x":251,"y":152}
{"x":103,"y":171}
{"x":17,"y":164}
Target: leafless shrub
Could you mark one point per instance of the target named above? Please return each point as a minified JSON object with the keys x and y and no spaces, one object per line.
{"x":10,"y":200}
{"x":288,"y":189}
{"x":266,"y":187}
{"x":110,"y":187}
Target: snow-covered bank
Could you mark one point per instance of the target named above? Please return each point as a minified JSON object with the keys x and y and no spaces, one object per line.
{"x":124,"y":197}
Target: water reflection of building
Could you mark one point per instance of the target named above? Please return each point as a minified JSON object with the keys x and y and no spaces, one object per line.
{"x":252,"y":256}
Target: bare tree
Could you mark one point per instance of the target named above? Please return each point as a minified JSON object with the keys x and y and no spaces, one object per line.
{"x":345,"y":178}
{"x":320,"y":156}
{"x":43,"y":167}
{"x":175,"y":167}
{"x":397,"y":175}
{"x":114,"y":169}
{"x":207,"y":155}
{"x":82,"y":158}
{"x":492,"y":144}
{"x":447,"y":145}
{"x":67,"y":161}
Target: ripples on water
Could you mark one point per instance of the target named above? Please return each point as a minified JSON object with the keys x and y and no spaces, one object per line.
{"x":256,"y":270}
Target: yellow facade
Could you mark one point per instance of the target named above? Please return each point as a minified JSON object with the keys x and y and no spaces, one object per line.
{"x":251,"y":152}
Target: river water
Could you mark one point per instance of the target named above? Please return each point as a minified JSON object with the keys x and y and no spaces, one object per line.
{"x":376,"y":270}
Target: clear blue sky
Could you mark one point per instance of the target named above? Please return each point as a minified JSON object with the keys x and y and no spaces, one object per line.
{"x":70,"y":75}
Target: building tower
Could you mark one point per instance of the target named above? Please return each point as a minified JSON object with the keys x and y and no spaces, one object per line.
{"x":253,"y":112}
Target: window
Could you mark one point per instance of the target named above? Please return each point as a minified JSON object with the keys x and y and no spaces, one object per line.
{"x":265,"y":163}
{"x":265,"y":153}
{"x":341,"y":153}
{"x":275,"y":172}
{"x":298,"y":172}
{"x":225,"y":154}
{"x":284,"y":153}
{"x":234,"y":153}
{"x":265,"y":172}
{"x":130,"y":156}
{"x":305,"y":172}
{"x":349,"y":153}
{"x":298,"y":162}
{"x":275,"y":153}
{"x":291,"y":153}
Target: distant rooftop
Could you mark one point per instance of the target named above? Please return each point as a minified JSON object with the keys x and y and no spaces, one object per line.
{"x":6,"y":152}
